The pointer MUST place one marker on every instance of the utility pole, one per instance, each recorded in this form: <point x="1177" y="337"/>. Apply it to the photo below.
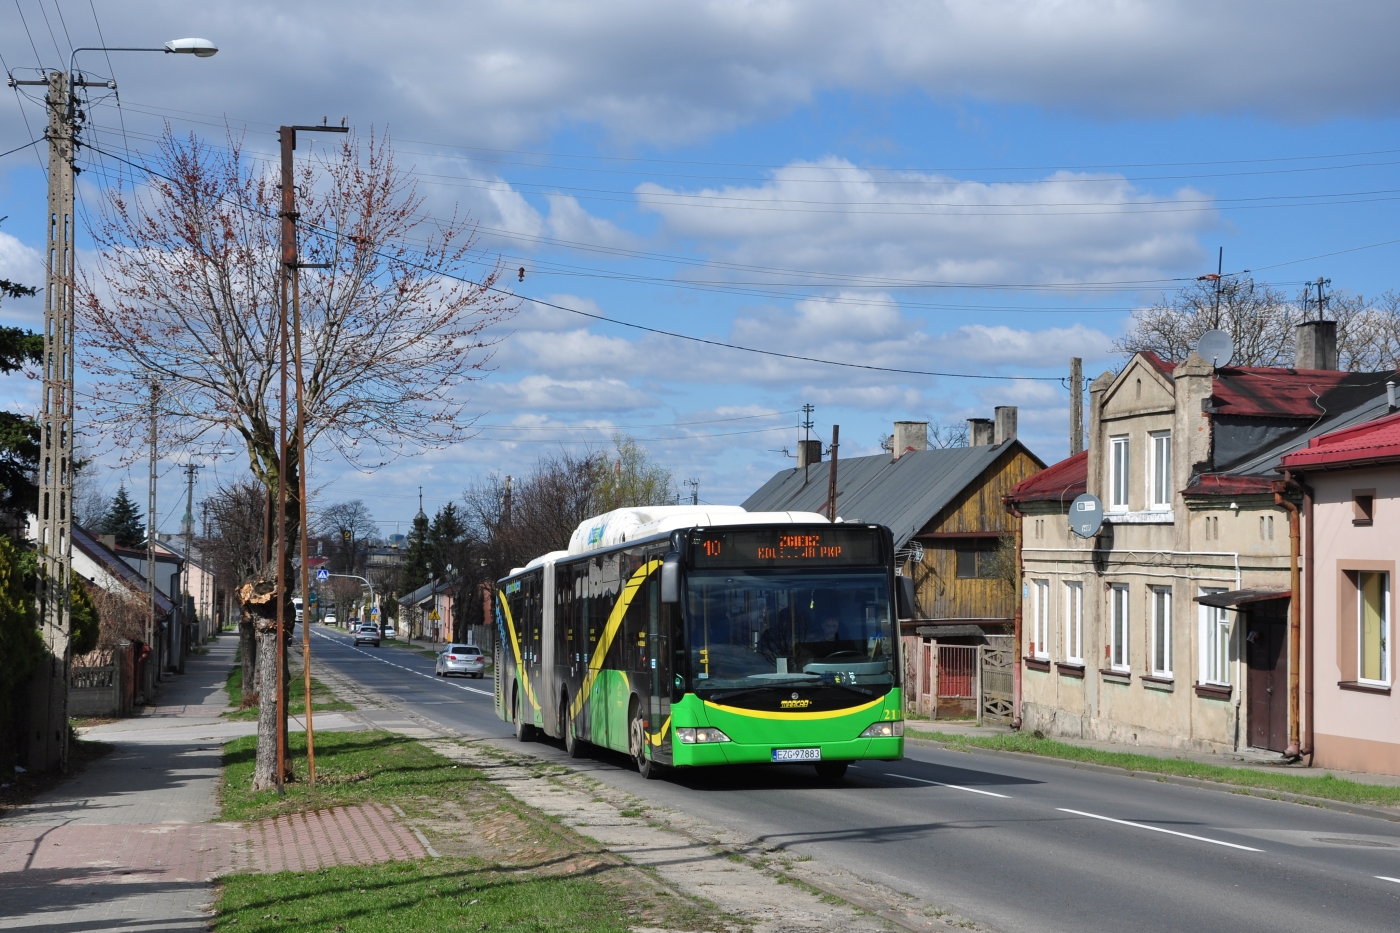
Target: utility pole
<point x="151" y="628"/>
<point x="505" y="506"/>
<point x="694" y="485"/>
<point x="831" y="483"/>
<point x="807" y="410"/>
<point x="186" y="601"/>
<point x="1076" y="405"/>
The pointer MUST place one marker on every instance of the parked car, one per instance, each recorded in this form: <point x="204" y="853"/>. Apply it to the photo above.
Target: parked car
<point x="461" y="659"/>
<point x="390" y="631"/>
<point x="367" y="634"/>
<point x="328" y="620"/>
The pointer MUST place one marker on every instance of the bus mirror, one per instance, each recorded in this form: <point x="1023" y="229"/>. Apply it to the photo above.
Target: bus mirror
<point x="671" y="578"/>
<point x="908" y="603"/>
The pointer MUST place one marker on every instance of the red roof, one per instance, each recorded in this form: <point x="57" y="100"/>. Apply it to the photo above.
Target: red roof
<point x="1362" y="443"/>
<point x="1271" y="392"/>
<point x="1062" y="482"/>
<point x="1162" y="366"/>
<point x="1229" y="484"/>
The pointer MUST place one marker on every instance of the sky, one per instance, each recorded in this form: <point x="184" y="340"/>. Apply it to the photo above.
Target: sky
<point x="977" y="189"/>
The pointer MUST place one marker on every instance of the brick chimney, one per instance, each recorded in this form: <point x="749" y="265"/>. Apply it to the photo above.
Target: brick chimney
<point x="1005" y="424"/>
<point x="979" y="432"/>
<point x="1315" y="345"/>
<point x="909" y="435"/>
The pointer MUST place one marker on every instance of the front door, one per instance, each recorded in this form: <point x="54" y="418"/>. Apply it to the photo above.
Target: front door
<point x="1266" y="654"/>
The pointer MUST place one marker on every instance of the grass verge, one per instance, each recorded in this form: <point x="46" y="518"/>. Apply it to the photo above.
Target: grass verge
<point x="322" y="698"/>
<point x="1326" y="787"/>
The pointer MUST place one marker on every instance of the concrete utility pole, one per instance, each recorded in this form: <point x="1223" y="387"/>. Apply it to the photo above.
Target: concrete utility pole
<point x="188" y="529"/>
<point x="831" y="483"/>
<point x="152" y="631"/>
<point x="1076" y="405"/>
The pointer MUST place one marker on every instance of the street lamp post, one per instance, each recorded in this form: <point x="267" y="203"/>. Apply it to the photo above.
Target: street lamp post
<point x="49" y="704"/>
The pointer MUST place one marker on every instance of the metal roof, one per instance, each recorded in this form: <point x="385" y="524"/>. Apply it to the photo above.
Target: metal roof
<point x="900" y="494"/>
<point x="1266" y="460"/>
<point x="1378" y="440"/>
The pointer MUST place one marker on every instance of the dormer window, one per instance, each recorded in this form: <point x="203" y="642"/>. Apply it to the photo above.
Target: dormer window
<point x="1118" y="473"/>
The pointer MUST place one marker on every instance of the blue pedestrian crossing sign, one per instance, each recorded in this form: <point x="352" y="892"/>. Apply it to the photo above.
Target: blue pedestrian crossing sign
<point x="323" y="574"/>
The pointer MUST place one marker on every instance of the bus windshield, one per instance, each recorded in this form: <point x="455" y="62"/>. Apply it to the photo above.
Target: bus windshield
<point x="760" y="629"/>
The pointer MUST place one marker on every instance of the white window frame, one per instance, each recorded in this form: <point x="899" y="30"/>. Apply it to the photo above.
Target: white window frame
<point x="1074" y="622"/>
<point x="1159" y="471"/>
<point x="1119" y="622"/>
<point x="1385" y="628"/>
<point x="1216" y="638"/>
<point x="1118" y="489"/>
<point x="1040" y="626"/>
<point x="1161" y="622"/>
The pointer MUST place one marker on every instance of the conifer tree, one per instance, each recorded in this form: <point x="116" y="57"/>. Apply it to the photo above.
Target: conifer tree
<point x="415" y="564"/>
<point x="123" y="520"/>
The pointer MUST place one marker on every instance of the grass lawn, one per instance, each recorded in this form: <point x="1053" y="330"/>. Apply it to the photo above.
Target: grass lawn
<point x="321" y="697"/>
<point x="1283" y="781"/>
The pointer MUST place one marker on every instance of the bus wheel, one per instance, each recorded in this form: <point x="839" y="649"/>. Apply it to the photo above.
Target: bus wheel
<point x="523" y="730"/>
<point x="637" y="734"/>
<point x="831" y="772"/>
<point x="573" y="745"/>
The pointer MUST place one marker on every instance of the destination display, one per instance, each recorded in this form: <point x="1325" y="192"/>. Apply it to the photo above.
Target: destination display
<point x="785" y="547"/>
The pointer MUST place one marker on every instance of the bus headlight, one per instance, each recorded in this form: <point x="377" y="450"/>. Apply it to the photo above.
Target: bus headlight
<point x="690" y="735"/>
<point x="884" y="730"/>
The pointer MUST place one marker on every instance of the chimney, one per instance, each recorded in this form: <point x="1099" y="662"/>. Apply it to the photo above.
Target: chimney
<point x="808" y="453"/>
<point x="1315" y="345"/>
<point x="979" y="432"/>
<point x="909" y="435"/>
<point x="1005" y="424"/>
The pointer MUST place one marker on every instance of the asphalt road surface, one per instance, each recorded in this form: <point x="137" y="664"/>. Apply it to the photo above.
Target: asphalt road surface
<point x="1018" y="845"/>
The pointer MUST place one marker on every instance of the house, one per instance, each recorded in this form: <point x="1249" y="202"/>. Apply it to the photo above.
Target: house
<point x="199" y="581"/>
<point x="945" y="510"/>
<point x="427" y="611"/>
<point x="1169" y="627"/>
<point x="1350" y="479"/>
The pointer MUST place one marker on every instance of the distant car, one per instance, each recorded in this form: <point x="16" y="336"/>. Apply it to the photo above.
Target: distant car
<point x="390" y="631"/>
<point x="461" y="659"/>
<point x="328" y="620"/>
<point x="367" y="634"/>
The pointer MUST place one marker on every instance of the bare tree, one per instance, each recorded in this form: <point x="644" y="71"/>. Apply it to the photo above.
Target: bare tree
<point x="237" y="526"/>
<point x="347" y="525"/>
<point x="189" y="297"/>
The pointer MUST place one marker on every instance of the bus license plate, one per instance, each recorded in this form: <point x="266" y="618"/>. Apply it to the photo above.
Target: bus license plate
<point x="797" y="754"/>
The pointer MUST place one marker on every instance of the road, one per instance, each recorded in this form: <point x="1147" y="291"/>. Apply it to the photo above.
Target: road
<point x="1019" y="845"/>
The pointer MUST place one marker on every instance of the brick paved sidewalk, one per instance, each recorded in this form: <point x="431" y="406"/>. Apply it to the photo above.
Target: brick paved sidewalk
<point x="130" y="844"/>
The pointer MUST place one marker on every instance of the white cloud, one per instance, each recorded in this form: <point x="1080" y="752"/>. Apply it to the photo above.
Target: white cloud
<point x="902" y="228"/>
<point x="543" y="393"/>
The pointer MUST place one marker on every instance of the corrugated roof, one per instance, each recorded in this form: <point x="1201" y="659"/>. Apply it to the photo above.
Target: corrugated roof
<point x="1374" y="440"/>
<point x="1274" y="392"/>
<point x="901" y="494"/>
<point x="1064" y="482"/>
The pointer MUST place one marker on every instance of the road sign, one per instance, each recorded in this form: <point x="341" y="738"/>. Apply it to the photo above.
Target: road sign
<point x="1086" y="515"/>
<point x="434" y="617"/>
<point x="323" y="574"/>
<point x="313" y="599"/>
<point x="374" y="613"/>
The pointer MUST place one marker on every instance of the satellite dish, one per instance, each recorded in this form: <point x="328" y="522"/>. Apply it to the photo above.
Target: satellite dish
<point x="1216" y="348"/>
<point x="1086" y="515"/>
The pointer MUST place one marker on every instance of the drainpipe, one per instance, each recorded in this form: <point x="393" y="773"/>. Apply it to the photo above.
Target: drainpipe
<point x="1294" y="620"/>
<point x="1016" y="623"/>
<point x="1308" y="577"/>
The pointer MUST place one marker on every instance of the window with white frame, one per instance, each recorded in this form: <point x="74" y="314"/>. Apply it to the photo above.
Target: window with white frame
<point x="1159" y="473"/>
<point x="1373" y="627"/>
<point x="1040" y="629"/>
<point x="1162" y="631"/>
<point x="1215" y="641"/>
<point x="1118" y="631"/>
<point x="1118" y="473"/>
<point x="1074" y="622"/>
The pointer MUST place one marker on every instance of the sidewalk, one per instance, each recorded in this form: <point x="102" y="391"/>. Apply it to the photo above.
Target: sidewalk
<point x="130" y="844"/>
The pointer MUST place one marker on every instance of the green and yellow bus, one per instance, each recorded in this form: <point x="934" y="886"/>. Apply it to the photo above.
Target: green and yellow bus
<point x="686" y="638"/>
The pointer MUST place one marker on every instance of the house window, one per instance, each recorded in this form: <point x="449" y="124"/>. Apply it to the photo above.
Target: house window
<point x="1118" y="633"/>
<point x="1040" y="632"/>
<point x="1074" y="622"/>
<point x="1215" y="642"/>
<point x="1162" y="631"/>
<point x="1118" y="473"/>
<point x="1373" y="625"/>
<point x="976" y="562"/>
<point x="1159" y="492"/>
<point x="1363" y="506"/>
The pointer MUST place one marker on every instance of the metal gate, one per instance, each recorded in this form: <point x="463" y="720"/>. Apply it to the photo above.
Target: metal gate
<point x="994" y="703"/>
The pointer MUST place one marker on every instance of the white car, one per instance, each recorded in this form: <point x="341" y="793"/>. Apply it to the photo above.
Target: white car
<point x="328" y="620"/>
<point x="461" y="659"/>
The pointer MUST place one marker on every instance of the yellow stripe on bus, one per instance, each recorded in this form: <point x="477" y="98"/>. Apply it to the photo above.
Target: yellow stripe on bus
<point x="515" y="647"/>
<point x="600" y="654"/>
<point x="766" y="714"/>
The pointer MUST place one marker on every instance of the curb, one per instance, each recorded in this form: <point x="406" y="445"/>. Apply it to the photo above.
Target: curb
<point x="1355" y="809"/>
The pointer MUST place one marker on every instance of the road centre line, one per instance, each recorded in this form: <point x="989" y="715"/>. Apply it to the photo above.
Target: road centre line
<point x="1158" y="829"/>
<point x="970" y="790"/>
<point x="433" y="677"/>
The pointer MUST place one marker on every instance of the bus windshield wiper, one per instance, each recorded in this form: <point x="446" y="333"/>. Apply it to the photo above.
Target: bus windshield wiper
<point x="730" y="694"/>
<point x="851" y="687"/>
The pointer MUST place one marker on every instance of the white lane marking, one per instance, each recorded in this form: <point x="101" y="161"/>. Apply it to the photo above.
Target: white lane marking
<point x="1158" y="829"/>
<point x="1384" y="878"/>
<point x="433" y="677"/>
<point x="970" y="790"/>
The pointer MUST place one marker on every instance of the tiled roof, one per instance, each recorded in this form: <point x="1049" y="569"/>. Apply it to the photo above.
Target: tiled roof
<point x="1063" y="482"/>
<point x="1362" y="443"/>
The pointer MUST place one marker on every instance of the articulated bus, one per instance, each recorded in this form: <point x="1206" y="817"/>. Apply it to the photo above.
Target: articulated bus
<point x="687" y="637"/>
